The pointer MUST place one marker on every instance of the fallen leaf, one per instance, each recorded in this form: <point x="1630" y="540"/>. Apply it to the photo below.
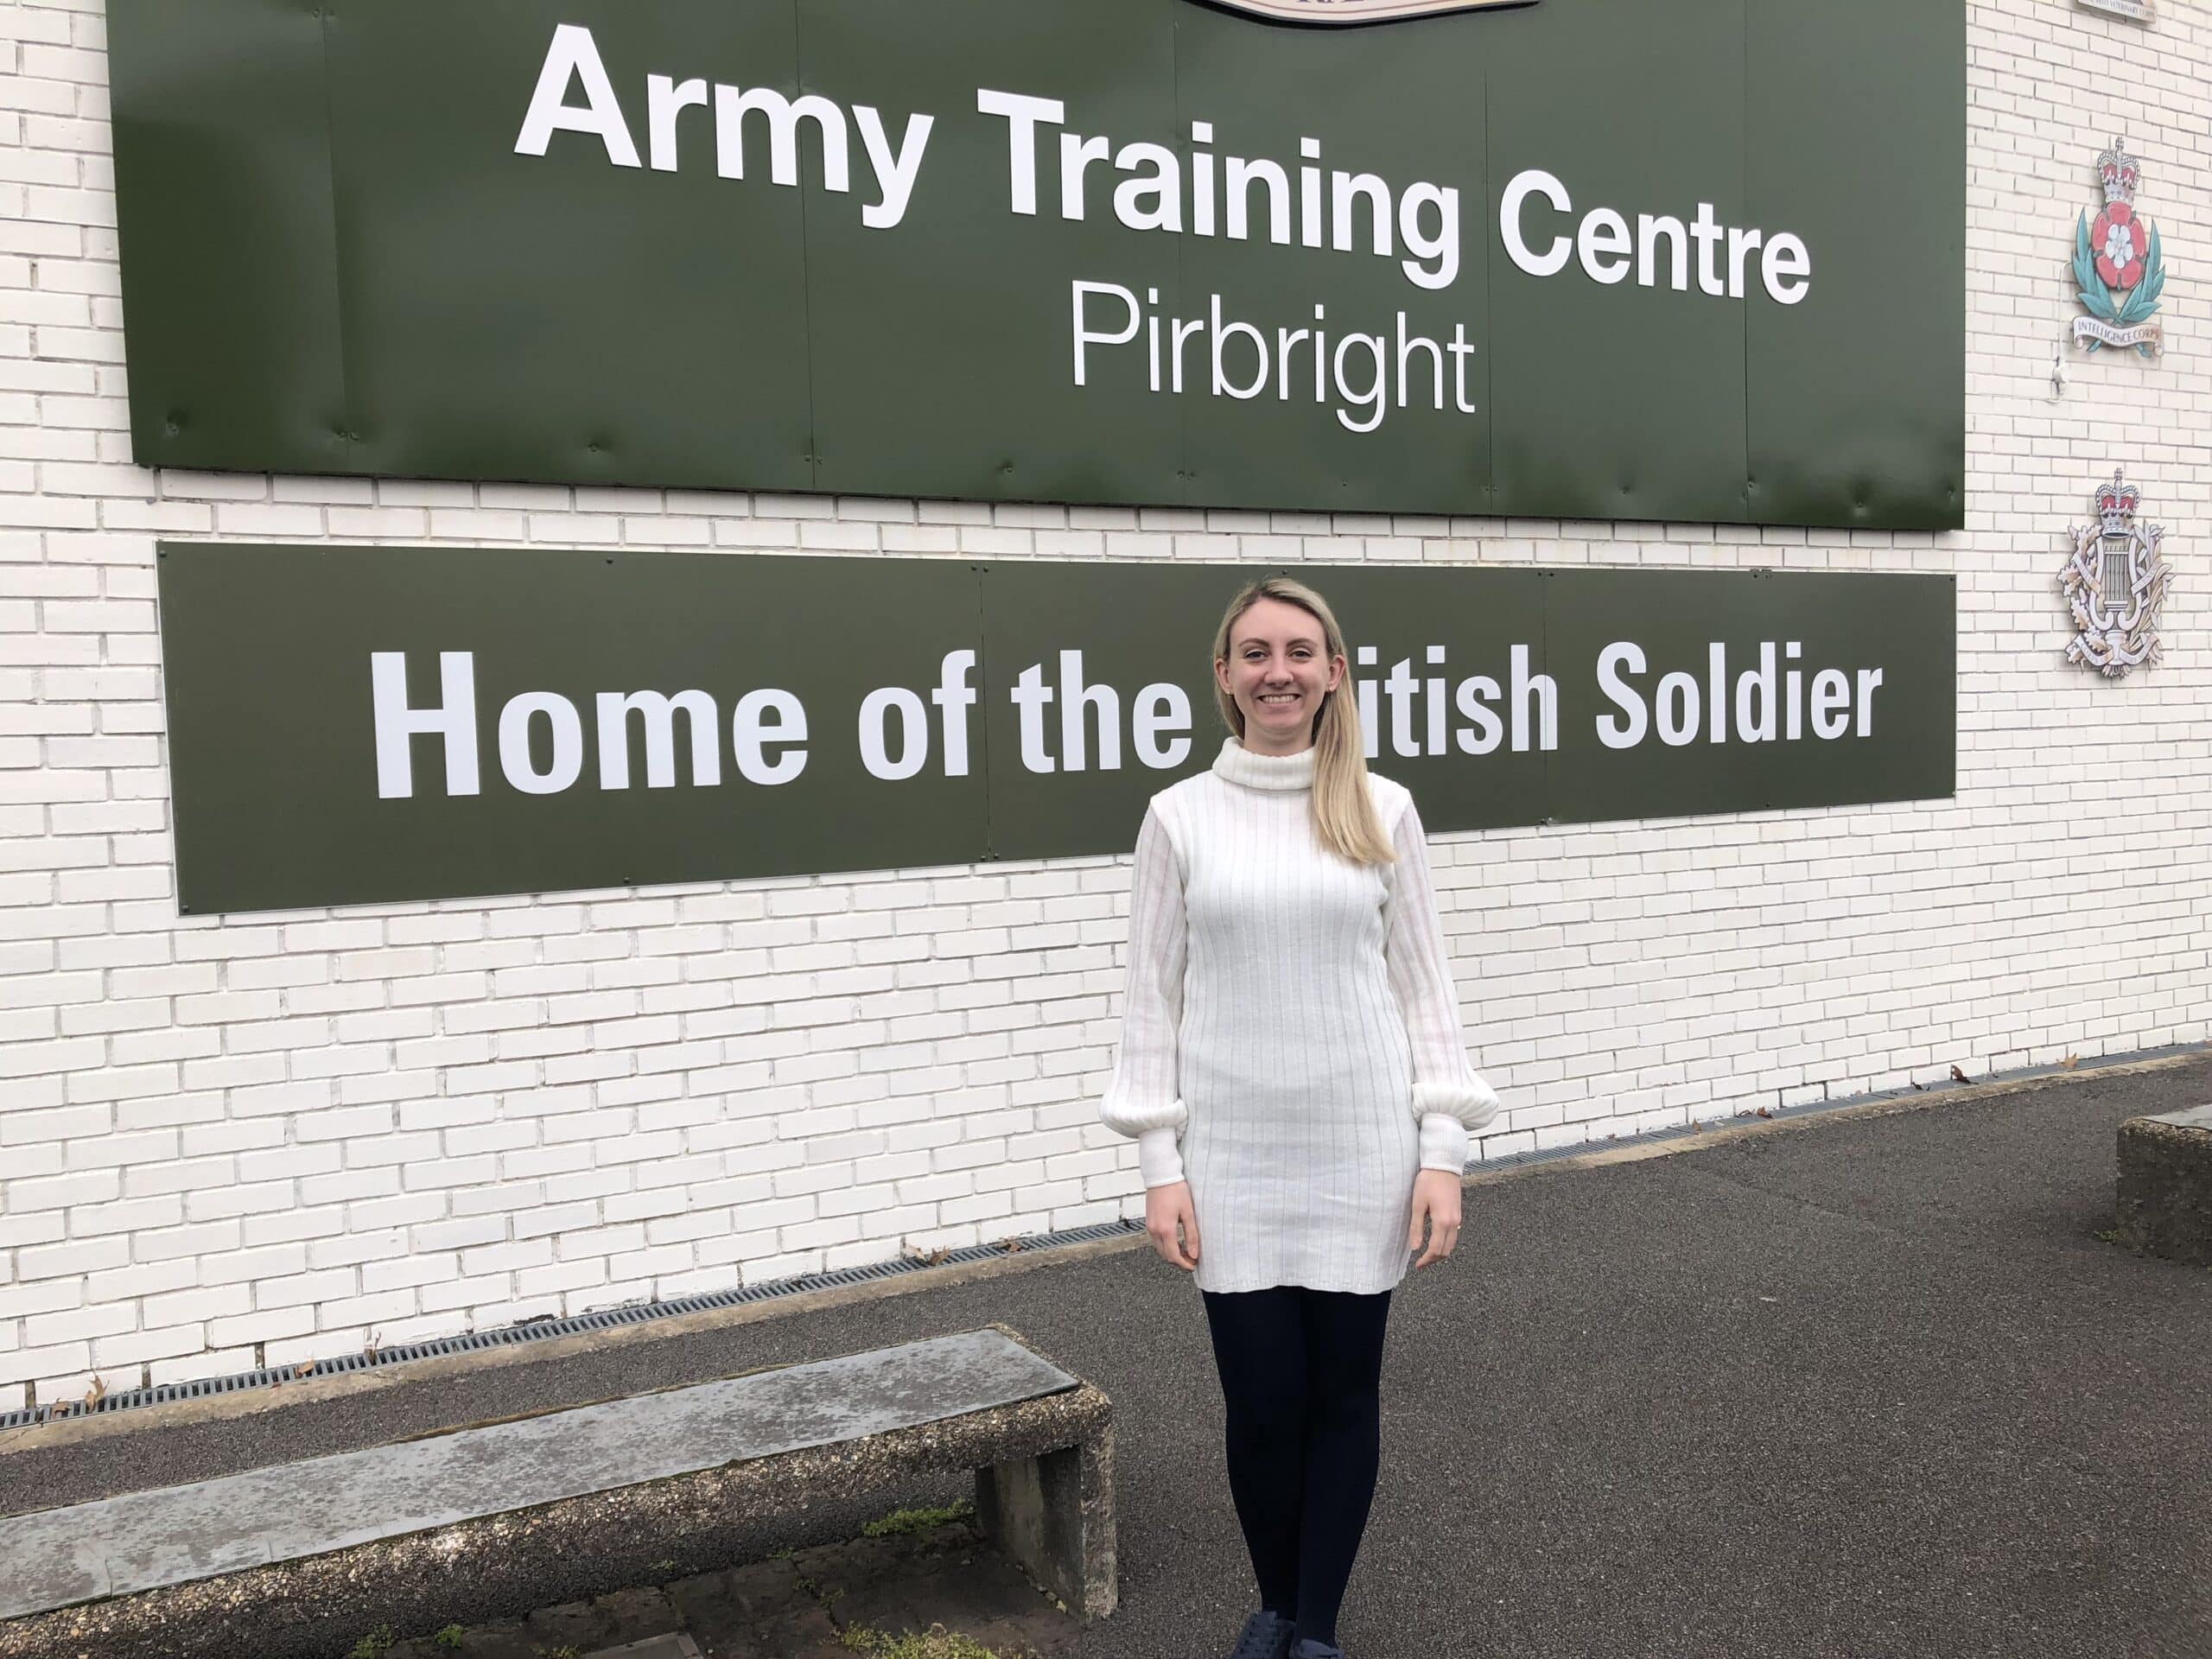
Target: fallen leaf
<point x="2069" y="1062"/>
<point x="1762" y="1112"/>
<point x="1958" y="1076"/>
<point x="1009" y="1245"/>
<point x="306" y="1367"/>
<point x="95" y="1394"/>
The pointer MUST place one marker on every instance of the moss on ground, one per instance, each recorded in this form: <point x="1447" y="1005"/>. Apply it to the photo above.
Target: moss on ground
<point x="901" y="1520"/>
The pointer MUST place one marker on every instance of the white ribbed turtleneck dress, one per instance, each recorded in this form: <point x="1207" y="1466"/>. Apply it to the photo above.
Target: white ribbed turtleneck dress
<point x="1290" y="1038"/>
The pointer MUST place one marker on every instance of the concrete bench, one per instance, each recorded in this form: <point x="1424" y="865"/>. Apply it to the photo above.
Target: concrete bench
<point x="2165" y="1184"/>
<point x="294" y="1562"/>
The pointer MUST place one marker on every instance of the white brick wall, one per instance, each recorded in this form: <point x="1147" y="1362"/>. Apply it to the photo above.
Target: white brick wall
<point x="269" y="1138"/>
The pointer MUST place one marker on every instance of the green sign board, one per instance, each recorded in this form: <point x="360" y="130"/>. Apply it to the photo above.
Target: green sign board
<point x="1700" y="260"/>
<point x="349" y="725"/>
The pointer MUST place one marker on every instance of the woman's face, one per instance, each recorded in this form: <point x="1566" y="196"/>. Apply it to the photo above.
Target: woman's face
<point x="1277" y="668"/>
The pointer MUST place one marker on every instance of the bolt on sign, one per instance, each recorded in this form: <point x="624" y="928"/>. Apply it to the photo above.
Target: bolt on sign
<point x="1700" y="261"/>
<point x="351" y="724"/>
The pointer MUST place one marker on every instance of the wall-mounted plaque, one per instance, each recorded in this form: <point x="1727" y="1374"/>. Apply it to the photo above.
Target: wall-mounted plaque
<point x="1600" y="260"/>
<point x="2114" y="582"/>
<point x="2118" y="268"/>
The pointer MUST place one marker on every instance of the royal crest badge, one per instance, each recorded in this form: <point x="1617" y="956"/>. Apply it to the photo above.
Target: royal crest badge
<point x="1357" y="12"/>
<point x="2118" y="267"/>
<point x="2113" y="584"/>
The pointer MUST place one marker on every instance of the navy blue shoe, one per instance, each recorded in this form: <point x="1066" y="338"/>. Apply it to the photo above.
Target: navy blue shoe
<point x="1308" y="1648"/>
<point x="1267" y="1635"/>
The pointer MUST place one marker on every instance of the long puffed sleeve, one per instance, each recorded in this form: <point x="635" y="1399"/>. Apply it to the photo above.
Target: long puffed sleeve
<point x="1449" y="1098"/>
<point x="1145" y="1097"/>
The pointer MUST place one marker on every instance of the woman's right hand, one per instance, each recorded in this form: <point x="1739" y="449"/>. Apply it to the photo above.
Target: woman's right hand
<point x="1173" y="1224"/>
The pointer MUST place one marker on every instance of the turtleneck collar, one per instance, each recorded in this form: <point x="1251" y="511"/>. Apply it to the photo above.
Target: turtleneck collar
<point x="1240" y="765"/>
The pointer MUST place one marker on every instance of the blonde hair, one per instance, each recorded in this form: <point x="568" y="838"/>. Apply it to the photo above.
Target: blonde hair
<point x="1343" y="809"/>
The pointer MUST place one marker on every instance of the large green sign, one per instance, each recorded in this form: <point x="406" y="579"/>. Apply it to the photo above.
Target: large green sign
<point x="349" y="725"/>
<point x="1696" y="259"/>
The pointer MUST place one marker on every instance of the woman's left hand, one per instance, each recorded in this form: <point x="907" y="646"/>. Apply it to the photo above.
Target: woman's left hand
<point x="1436" y="1202"/>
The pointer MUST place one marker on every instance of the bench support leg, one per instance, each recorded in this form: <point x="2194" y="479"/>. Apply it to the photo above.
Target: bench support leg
<point x="1054" y="1515"/>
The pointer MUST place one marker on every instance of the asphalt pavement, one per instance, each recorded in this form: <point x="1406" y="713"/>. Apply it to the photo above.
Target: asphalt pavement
<point x="1866" y="1383"/>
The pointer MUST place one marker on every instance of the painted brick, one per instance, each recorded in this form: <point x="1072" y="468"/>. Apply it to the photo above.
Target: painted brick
<point x="296" y="1131"/>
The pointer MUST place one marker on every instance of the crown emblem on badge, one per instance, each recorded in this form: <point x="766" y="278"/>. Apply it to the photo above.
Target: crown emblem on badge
<point x="2119" y="271"/>
<point x="2116" y="505"/>
<point x="2114" y="582"/>
<point x="2120" y="171"/>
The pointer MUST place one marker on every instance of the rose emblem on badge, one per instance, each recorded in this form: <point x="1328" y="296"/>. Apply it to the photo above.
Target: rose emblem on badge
<point x="2120" y="244"/>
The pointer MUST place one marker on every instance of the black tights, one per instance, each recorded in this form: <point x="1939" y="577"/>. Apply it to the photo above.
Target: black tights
<point x="1300" y="1375"/>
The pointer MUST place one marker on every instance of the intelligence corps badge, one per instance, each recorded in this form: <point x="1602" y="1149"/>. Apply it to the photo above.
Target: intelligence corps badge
<point x="2114" y="584"/>
<point x="2117" y="265"/>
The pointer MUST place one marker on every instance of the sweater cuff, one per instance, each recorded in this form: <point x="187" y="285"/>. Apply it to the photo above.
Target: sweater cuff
<point x="1159" y="1158"/>
<point x="1443" y="1142"/>
<point x="1474" y="1102"/>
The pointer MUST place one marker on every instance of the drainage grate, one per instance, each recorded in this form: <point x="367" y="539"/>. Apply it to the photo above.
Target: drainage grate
<point x="539" y="1330"/>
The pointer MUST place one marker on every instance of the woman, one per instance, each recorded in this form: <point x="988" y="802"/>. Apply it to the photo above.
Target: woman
<point x="1292" y="1069"/>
